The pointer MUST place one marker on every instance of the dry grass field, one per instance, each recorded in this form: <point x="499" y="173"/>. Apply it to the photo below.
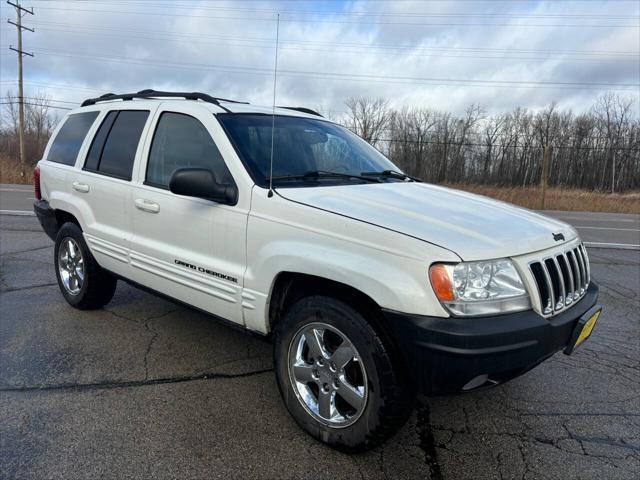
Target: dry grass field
<point x="10" y="172"/>
<point x="560" y="198"/>
<point x="529" y="197"/>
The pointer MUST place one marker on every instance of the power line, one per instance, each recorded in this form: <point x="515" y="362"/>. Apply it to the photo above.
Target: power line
<point x="365" y="13"/>
<point x="494" y="145"/>
<point x="190" y="2"/>
<point x="52" y="100"/>
<point x="358" y="22"/>
<point x="56" y="85"/>
<point x="268" y="41"/>
<point x="394" y="52"/>
<point x="37" y="105"/>
<point x="358" y="77"/>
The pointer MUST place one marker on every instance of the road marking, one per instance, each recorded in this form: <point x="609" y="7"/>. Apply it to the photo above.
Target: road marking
<point x="22" y="213"/>
<point x="621" y="246"/>
<point x="16" y="190"/>
<point x="597" y="219"/>
<point x="608" y="228"/>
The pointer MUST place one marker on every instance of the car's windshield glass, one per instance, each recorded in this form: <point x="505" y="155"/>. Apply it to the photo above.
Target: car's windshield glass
<point x="301" y="145"/>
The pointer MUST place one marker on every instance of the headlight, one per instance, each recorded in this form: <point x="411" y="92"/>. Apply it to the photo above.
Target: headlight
<point x="479" y="288"/>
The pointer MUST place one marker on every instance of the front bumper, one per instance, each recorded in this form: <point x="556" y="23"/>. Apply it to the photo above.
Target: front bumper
<point x="447" y="355"/>
<point x="47" y="218"/>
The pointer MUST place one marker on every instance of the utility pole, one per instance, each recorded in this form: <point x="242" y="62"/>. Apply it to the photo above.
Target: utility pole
<point x="546" y="159"/>
<point x="613" y="172"/>
<point x="20" y="11"/>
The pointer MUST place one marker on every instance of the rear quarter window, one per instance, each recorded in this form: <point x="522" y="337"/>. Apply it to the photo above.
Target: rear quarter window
<point x="66" y="145"/>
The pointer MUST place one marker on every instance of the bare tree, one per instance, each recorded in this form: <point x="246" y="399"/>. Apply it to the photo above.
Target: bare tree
<point x="39" y="123"/>
<point x="612" y="113"/>
<point x="506" y="149"/>
<point x="367" y="117"/>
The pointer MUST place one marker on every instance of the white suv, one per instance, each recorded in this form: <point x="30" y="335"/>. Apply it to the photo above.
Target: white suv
<point x="373" y="285"/>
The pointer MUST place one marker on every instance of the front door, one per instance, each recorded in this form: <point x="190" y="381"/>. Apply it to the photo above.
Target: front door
<point x="188" y="248"/>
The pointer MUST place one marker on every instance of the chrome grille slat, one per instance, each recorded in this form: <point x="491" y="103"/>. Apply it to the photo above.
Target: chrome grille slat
<point x="570" y="285"/>
<point x="575" y="273"/>
<point x="563" y="290"/>
<point x="552" y="295"/>
<point x="586" y="262"/>
<point x="561" y="279"/>
<point x="583" y="269"/>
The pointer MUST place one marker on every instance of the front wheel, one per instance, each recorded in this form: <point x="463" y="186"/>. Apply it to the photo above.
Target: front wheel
<point x="338" y="377"/>
<point x="83" y="283"/>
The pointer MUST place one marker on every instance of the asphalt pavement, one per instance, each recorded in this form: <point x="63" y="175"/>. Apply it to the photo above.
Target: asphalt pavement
<point x="606" y="230"/>
<point x="146" y="388"/>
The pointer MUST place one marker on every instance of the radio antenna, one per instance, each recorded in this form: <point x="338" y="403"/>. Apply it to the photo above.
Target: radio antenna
<point x="273" y="109"/>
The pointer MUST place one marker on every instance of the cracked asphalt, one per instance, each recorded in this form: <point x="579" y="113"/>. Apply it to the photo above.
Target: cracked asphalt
<point x="146" y="388"/>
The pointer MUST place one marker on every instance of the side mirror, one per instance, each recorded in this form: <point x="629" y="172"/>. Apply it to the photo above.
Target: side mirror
<point x="202" y="183"/>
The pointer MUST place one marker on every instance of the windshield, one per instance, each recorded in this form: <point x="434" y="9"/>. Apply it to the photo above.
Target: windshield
<point x="301" y="145"/>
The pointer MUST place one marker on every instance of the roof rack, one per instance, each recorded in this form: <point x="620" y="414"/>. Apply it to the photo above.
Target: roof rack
<point x="154" y="94"/>
<point x="303" y="110"/>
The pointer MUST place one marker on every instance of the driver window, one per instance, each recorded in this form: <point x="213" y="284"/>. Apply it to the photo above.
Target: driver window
<point x="182" y="141"/>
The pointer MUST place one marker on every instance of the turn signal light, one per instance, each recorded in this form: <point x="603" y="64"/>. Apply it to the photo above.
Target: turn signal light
<point x="441" y="283"/>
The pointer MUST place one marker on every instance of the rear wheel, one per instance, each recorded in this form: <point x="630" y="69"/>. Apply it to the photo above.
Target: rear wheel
<point x="338" y="376"/>
<point x="83" y="283"/>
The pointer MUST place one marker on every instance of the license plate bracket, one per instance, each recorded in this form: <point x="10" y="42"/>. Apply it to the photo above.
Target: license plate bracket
<point x="584" y="327"/>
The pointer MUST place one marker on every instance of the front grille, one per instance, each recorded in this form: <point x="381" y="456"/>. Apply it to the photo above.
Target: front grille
<point x="562" y="279"/>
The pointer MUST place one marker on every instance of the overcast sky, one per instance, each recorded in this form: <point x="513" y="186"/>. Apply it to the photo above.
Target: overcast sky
<point x="437" y="54"/>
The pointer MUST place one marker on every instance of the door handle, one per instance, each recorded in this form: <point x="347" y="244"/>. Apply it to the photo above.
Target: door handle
<point x="81" y="187"/>
<point x="147" y="205"/>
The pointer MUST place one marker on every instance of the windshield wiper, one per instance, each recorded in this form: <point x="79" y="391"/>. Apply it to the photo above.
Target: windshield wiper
<point x="315" y="174"/>
<point x="391" y="174"/>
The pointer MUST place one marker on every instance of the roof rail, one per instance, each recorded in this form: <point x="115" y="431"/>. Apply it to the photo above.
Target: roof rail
<point x="154" y="94"/>
<point x="303" y="110"/>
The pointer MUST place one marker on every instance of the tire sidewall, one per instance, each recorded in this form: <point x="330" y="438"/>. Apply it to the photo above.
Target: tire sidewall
<point x="71" y="230"/>
<point x="372" y="353"/>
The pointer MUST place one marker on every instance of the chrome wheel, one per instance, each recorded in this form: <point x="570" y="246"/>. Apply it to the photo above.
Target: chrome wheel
<point x="327" y="375"/>
<point x="71" y="265"/>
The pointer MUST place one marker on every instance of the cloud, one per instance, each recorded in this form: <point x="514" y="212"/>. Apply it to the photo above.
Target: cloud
<point x="413" y="53"/>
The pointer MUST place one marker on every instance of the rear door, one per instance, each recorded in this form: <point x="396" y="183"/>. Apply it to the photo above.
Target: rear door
<point x="188" y="248"/>
<point x="61" y="155"/>
<point x="104" y="184"/>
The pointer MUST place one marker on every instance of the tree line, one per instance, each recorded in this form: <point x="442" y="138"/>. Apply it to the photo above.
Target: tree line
<point x="39" y="122"/>
<point x="596" y="150"/>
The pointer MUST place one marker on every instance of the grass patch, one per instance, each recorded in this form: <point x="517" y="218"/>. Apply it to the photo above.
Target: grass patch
<point x="560" y="198"/>
<point x="10" y="172"/>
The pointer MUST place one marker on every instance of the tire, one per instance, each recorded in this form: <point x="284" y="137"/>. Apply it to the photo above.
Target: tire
<point x="83" y="283"/>
<point x="385" y="403"/>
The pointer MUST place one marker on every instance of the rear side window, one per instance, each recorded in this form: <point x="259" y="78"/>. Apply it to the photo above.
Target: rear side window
<point x="183" y="141"/>
<point x="66" y="145"/>
<point x="113" y="150"/>
<point x="95" y="151"/>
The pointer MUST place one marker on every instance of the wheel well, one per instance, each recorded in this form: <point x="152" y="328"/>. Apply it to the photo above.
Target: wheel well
<point x="63" y="217"/>
<point x="290" y="287"/>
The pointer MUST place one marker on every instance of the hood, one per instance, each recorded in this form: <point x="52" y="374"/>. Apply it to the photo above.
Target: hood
<point x="472" y="226"/>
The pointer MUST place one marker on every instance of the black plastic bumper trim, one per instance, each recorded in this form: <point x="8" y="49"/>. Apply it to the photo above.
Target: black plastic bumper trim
<point x="47" y="218"/>
<point x="479" y="351"/>
<point x="444" y="354"/>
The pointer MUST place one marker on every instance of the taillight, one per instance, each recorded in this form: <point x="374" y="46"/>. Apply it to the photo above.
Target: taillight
<point x="36" y="183"/>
